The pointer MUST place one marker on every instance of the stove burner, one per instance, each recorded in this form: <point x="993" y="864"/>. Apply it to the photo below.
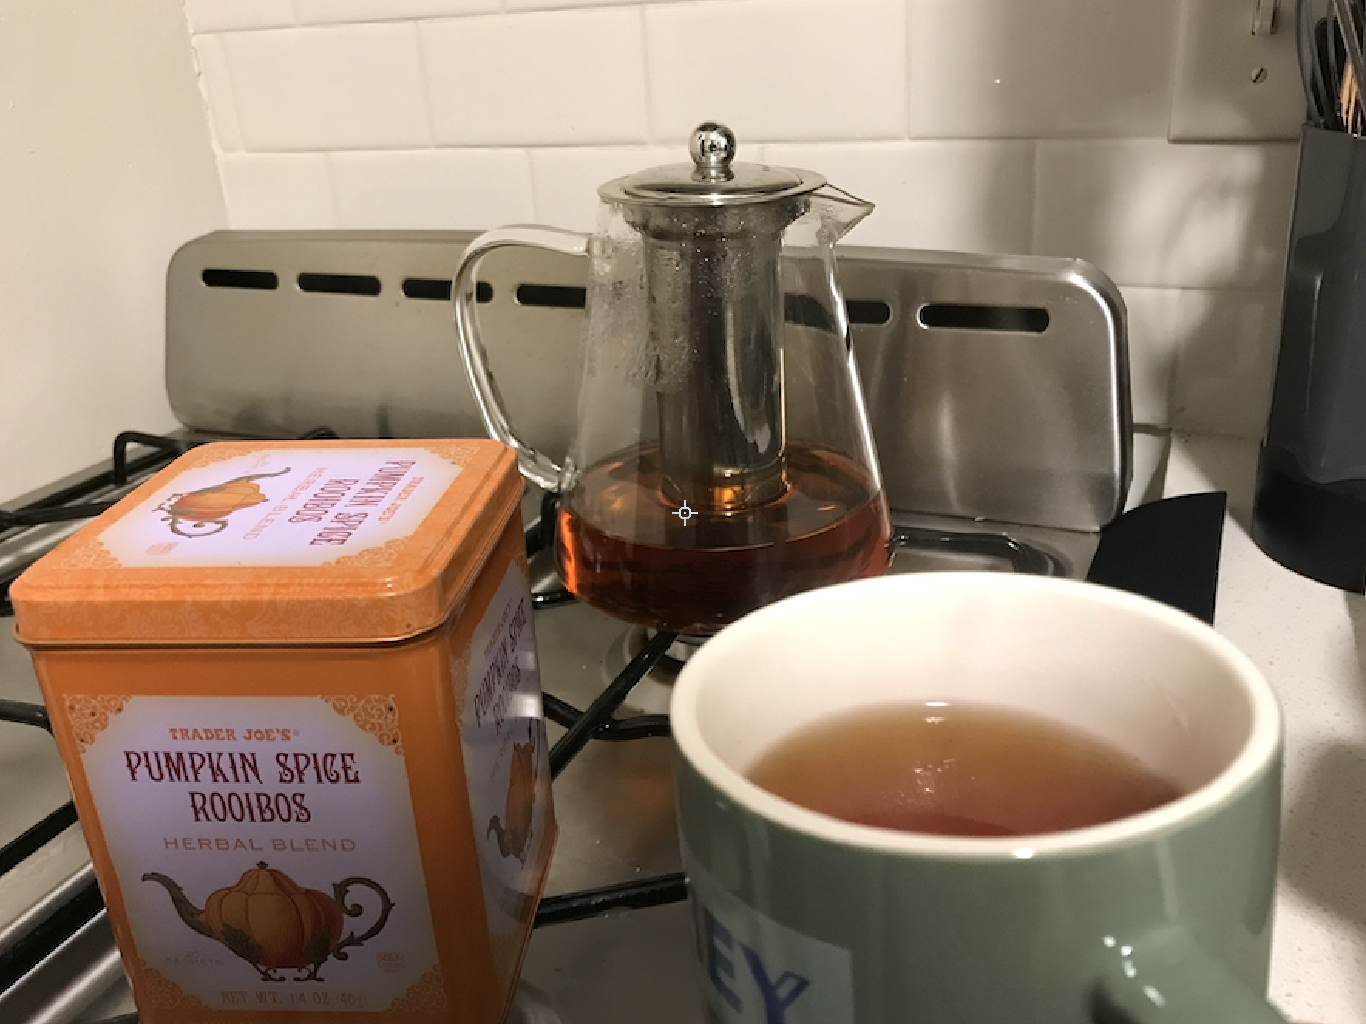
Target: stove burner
<point x="670" y="663"/>
<point x="683" y="648"/>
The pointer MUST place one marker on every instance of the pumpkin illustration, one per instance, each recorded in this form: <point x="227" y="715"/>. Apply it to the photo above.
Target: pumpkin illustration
<point x="209" y="507"/>
<point x="272" y="922"/>
<point x="289" y="926"/>
<point x="514" y="829"/>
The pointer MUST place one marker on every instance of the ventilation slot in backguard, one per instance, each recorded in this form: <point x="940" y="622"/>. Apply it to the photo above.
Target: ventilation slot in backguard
<point x="963" y="317"/>
<point x="438" y="289"/>
<point x="552" y="296"/>
<point x="253" y="280"/>
<point x="868" y="311"/>
<point x="340" y="284"/>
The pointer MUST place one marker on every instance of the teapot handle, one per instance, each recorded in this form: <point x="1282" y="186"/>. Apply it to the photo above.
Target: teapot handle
<point x="534" y="466"/>
<point x="386" y="907"/>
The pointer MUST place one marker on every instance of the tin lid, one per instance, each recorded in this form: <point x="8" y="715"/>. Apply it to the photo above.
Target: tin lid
<point x="247" y="542"/>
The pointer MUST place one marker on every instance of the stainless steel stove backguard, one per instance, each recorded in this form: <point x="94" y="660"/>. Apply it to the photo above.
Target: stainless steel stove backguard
<point x="997" y="386"/>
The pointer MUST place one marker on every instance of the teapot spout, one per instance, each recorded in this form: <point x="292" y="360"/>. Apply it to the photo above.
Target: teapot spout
<point x="839" y="211"/>
<point x="189" y="913"/>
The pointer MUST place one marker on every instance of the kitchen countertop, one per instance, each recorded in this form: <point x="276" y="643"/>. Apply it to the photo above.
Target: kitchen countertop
<point x="1310" y="641"/>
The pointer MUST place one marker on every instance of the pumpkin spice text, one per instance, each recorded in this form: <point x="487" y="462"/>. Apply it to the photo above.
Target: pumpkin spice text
<point x="234" y="767"/>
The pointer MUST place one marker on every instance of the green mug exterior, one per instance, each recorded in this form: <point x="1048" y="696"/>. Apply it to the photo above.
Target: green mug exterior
<point x="1020" y="941"/>
<point x="1163" y="918"/>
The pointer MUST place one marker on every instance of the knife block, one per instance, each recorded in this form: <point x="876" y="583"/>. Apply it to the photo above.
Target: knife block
<point x="1309" y="512"/>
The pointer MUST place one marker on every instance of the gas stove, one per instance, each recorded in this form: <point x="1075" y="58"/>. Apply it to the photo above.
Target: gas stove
<point x="612" y="940"/>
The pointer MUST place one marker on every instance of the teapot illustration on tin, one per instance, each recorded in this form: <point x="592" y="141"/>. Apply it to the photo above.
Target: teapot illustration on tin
<point x="513" y="830"/>
<point x="272" y="922"/>
<point x="209" y="507"/>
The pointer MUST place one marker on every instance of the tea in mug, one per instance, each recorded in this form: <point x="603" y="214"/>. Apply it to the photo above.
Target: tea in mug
<point x="958" y="769"/>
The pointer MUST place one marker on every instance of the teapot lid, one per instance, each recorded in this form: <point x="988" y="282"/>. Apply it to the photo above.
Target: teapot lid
<point x="712" y="179"/>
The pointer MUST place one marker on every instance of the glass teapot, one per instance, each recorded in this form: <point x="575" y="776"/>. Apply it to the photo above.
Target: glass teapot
<point x="722" y="458"/>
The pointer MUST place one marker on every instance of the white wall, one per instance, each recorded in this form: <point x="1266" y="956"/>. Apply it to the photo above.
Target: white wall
<point x="105" y="167"/>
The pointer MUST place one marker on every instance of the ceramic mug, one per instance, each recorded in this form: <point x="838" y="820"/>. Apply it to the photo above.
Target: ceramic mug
<point x="1164" y="916"/>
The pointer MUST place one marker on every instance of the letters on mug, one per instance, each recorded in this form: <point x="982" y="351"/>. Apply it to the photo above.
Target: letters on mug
<point x="718" y="955"/>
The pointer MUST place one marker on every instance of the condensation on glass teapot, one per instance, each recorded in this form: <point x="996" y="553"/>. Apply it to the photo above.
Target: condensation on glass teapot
<point x="722" y="458"/>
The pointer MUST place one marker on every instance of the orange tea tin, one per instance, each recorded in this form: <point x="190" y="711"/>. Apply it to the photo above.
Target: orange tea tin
<point x="294" y="685"/>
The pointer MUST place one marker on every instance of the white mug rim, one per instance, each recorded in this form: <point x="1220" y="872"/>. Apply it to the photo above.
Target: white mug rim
<point x="1259" y="750"/>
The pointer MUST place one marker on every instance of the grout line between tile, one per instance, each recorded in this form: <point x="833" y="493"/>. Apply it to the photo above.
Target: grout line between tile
<point x="504" y="8"/>
<point x="426" y="85"/>
<point x="1034" y="179"/>
<point x="606" y="5"/>
<point x="223" y="188"/>
<point x="907" y="6"/>
<point x="332" y="188"/>
<point x="650" y="133"/>
<point x="1176" y="344"/>
<point x="232" y="100"/>
<point x="204" y="107"/>
<point x="536" y="214"/>
<point x="1032" y="191"/>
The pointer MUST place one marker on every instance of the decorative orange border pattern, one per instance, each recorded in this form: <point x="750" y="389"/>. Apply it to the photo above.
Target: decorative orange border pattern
<point x="90" y="715"/>
<point x="376" y="713"/>
<point x="428" y="994"/>
<point x="165" y="993"/>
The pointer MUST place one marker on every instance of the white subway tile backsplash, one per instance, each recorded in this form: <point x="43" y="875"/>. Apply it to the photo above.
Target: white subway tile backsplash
<point x="560" y="77"/>
<point x="566" y="179"/>
<point x="1226" y="362"/>
<point x="1155" y="335"/>
<point x="1041" y="69"/>
<point x="973" y="125"/>
<point x="1150" y="213"/>
<point x="216" y="87"/>
<point x="334" y="11"/>
<point x="433" y="189"/>
<point x="277" y="191"/>
<point x="340" y="87"/>
<point x="780" y="70"/>
<point x="957" y="196"/>
<point x="231" y="15"/>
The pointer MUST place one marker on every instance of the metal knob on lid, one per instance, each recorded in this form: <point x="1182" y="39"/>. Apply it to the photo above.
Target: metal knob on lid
<point x="712" y="147"/>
